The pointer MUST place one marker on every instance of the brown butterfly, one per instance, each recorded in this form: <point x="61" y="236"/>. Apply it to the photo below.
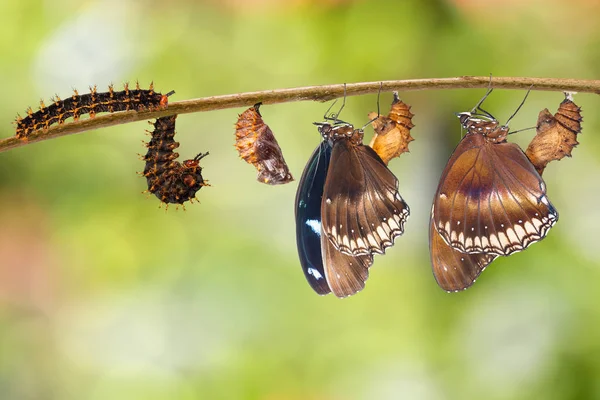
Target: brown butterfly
<point x="362" y="211"/>
<point x="490" y="202"/>
<point x="452" y="269"/>
<point x="347" y="208"/>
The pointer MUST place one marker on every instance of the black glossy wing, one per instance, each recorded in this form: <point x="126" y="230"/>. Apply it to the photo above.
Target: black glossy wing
<point x="308" y="218"/>
<point x="491" y="199"/>
<point x="453" y="270"/>
<point x="362" y="210"/>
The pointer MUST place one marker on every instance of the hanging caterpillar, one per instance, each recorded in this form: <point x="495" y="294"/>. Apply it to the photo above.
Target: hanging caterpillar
<point x="91" y="103"/>
<point x="167" y="178"/>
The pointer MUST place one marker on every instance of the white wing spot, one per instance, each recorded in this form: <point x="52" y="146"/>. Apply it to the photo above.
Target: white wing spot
<point x="512" y="236"/>
<point x="529" y="228"/>
<point x="328" y="201"/>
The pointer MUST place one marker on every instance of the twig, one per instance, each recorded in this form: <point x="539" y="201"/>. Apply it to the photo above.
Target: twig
<point x="314" y="93"/>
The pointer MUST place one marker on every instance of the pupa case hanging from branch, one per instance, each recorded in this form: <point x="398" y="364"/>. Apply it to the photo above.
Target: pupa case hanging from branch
<point x="392" y="132"/>
<point x="556" y="134"/>
<point x="257" y="145"/>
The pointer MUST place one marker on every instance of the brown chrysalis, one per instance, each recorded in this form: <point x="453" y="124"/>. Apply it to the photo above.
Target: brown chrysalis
<point x="170" y="180"/>
<point x="91" y="103"/>
<point x="257" y="145"/>
<point x="392" y="132"/>
<point x="556" y="135"/>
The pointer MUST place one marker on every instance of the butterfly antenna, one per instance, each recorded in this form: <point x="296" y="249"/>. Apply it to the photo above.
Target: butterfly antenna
<point x="487" y="114"/>
<point x="379" y="97"/>
<point x="325" y="117"/>
<point x="485" y="96"/>
<point x="336" y="116"/>
<point x="378" y="108"/>
<point x="520" y="105"/>
<point x="521" y="130"/>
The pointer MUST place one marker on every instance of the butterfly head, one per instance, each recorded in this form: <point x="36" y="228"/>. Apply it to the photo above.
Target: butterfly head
<point x="487" y="126"/>
<point x="337" y="130"/>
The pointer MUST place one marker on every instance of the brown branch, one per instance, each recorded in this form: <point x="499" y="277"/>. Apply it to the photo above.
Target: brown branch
<point x="314" y="93"/>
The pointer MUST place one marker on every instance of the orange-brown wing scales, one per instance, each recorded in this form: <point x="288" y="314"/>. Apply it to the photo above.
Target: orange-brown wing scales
<point x="362" y="210"/>
<point x="491" y="199"/>
<point x="452" y="269"/>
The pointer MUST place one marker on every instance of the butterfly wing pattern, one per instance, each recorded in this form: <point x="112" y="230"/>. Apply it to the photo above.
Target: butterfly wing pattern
<point x="360" y="211"/>
<point x="452" y="269"/>
<point x="491" y="199"/>
<point x="490" y="202"/>
<point x="346" y="275"/>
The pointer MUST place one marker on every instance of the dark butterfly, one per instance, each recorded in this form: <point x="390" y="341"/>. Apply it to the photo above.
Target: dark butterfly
<point x="347" y="208"/>
<point x="490" y="202"/>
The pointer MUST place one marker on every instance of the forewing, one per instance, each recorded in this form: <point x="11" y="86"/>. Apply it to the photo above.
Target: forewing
<point x="491" y="199"/>
<point x="362" y="210"/>
<point x="308" y="218"/>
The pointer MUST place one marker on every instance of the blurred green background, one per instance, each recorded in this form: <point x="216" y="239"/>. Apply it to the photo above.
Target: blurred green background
<point x="105" y="296"/>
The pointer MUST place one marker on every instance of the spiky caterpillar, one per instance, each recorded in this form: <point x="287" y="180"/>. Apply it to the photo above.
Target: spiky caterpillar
<point x="91" y="103"/>
<point x="167" y="178"/>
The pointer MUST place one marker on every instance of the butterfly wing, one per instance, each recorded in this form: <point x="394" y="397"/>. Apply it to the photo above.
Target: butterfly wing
<point x="453" y="270"/>
<point x="308" y="218"/>
<point x="345" y="274"/>
<point x="491" y="199"/>
<point x="362" y="210"/>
